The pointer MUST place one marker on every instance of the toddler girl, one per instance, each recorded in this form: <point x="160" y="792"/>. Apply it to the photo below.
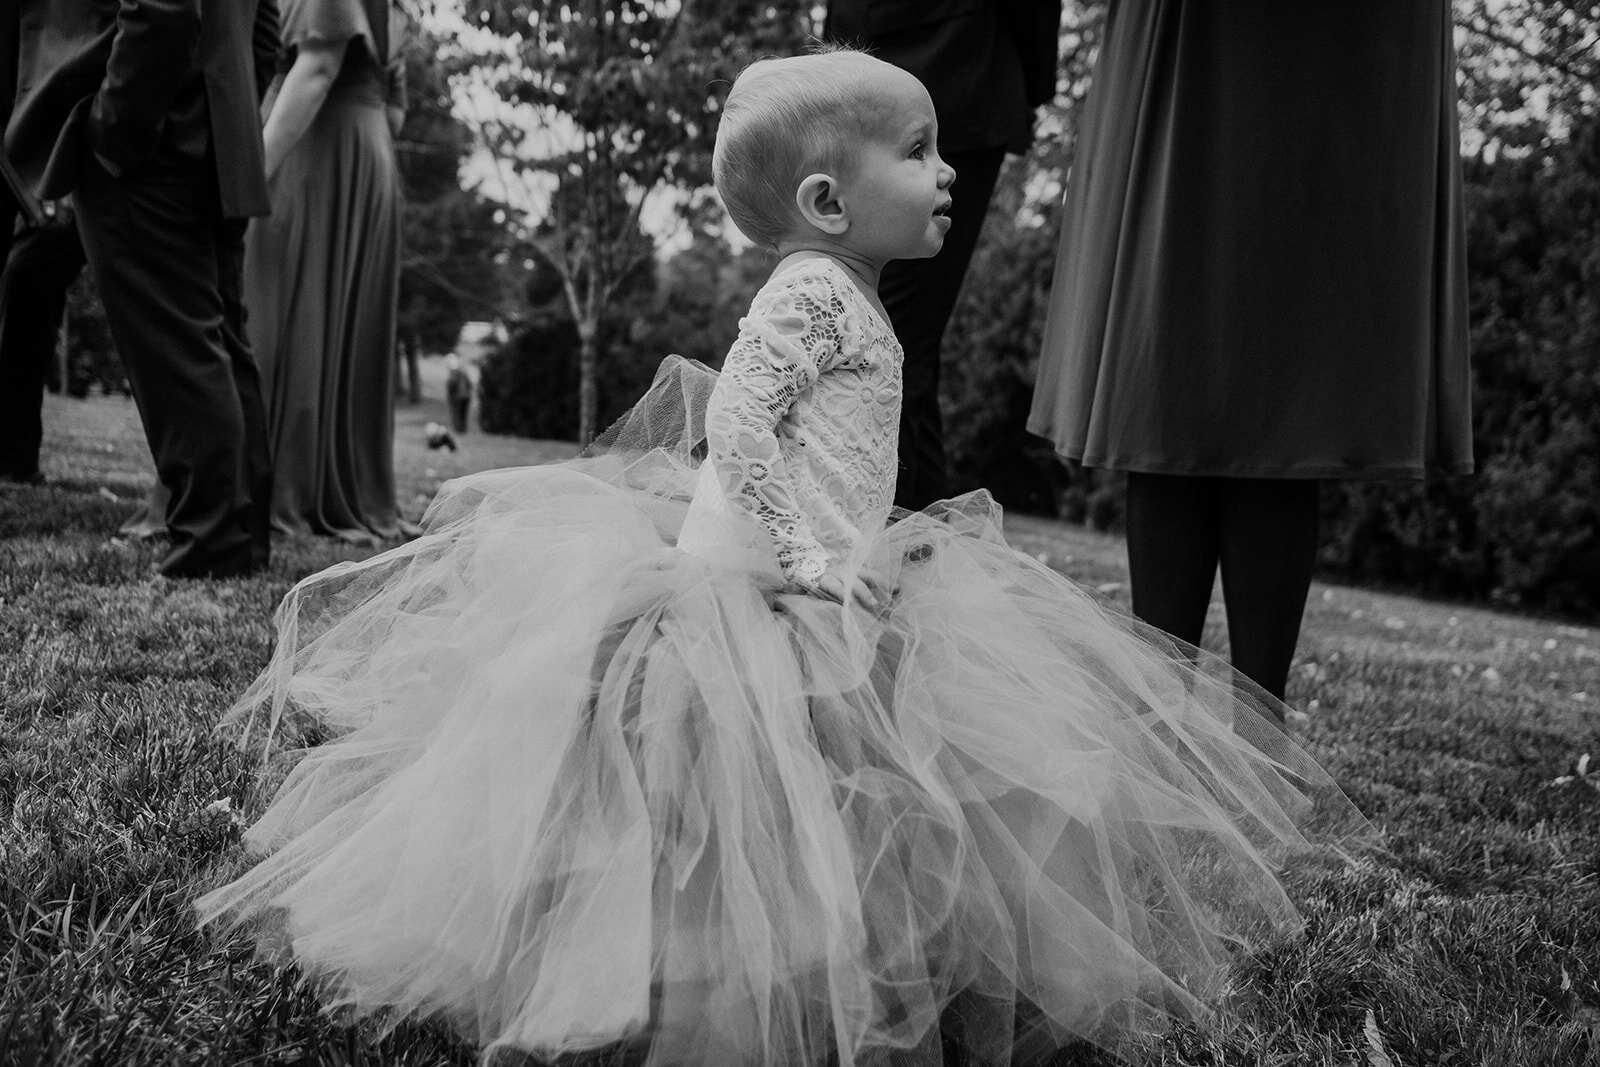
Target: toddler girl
<point x="706" y="758"/>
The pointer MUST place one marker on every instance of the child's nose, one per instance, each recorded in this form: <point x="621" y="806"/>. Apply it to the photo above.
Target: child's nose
<point x="947" y="175"/>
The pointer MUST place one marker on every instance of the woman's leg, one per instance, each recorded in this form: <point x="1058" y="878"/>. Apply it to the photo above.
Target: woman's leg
<point x="1173" y="547"/>
<point x="1269" y="549"/>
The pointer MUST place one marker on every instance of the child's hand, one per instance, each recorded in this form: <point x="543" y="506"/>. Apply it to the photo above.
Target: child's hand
<point x="864" y="587"/>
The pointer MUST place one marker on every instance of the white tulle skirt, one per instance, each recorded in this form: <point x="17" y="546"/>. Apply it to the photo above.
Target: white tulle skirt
<point x="578" y="787"/>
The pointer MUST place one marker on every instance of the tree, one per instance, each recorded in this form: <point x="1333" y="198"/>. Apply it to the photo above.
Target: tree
<point x="453" y="236"/>
<point x="600" y="116"/>
<point x="1528" y="67"/>
<point x="689" y="305"/>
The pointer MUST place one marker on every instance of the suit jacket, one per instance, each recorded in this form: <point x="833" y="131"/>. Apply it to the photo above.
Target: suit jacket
<point x="8" y="92"/>
<point x="986" y="63"/>
<point x="135" y="82"/>
<point x="8" y="60"/>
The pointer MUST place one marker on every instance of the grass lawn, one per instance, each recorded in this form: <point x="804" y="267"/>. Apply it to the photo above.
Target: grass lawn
<point x="1471" y="937"/>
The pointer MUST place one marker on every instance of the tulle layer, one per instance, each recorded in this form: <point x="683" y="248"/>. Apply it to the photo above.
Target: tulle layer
<point x="582" y="786"/>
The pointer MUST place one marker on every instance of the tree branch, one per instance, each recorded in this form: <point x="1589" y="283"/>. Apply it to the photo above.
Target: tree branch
<point x="436" y="276"/>
<point x="635" y="261"/>
<point x="1480" y="26"/>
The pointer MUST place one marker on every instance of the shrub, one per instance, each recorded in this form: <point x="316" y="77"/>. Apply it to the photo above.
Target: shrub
<point x="690" y="307"/>
<point x="92" y="360"/>
<point x="1525" y="529"/>
<point x="529" y="385"/>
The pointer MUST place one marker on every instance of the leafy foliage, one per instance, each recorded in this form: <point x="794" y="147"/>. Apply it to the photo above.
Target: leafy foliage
<point x="690" y="305"/>
<point x="1526" y="529"/>
<point x="452" y="236"/>
<point x="1527" y="65"/>
<point x="92" y="361"/>
<point x="614" y="101"/>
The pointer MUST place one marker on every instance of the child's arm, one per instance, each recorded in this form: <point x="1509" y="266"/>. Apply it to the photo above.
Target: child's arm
<point x="786" y="341"/>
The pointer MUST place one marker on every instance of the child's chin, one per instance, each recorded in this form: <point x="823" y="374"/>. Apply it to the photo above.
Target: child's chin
<point x="926" y="250"/>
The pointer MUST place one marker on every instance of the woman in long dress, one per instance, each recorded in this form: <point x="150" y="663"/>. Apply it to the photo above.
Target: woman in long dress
<point x="322" y="272"/>
<point x="1261" y="284"/>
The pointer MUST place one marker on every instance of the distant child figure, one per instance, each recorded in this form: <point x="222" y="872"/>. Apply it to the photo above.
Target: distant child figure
<point x="458" y="392"/>
<point x="705" y="760"/>
<point x="437" y="436"/>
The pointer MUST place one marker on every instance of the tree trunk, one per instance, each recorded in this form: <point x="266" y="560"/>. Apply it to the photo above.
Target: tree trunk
<point x="588" y="394"/>
<point x="413" y="370"/>
<point x="406" y="386"/>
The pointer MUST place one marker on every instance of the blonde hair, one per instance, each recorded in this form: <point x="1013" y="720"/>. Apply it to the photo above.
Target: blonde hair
<point x="785" y="119"/>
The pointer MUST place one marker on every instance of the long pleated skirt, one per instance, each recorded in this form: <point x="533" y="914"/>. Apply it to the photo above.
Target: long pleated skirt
<point x="321" y="286"/>
<point x="1262" y="264"/>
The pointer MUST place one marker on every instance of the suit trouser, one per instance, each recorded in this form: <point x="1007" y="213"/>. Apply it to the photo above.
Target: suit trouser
<point x="33" y="294"/>
<point x="170" y="273"/>
<point x="919" y="295"/>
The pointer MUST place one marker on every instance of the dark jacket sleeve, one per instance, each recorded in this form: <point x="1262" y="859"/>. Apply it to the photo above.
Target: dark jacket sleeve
<point x="10" y="43"/>
<point x="152" y="52"/>
<point x="266" y="43"/>
<point x="863" y="21"/>
<point x="1035" y="26"/>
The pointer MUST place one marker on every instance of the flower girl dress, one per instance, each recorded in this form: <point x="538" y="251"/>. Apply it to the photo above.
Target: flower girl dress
<point x="594" y="771"/>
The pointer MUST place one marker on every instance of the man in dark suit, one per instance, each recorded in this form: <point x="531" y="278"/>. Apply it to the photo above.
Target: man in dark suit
<point x="145" y="111"/>
<point x="987" y="64"/>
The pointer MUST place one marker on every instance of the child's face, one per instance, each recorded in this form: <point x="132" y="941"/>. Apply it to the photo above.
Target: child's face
<point x="897" y="187"/>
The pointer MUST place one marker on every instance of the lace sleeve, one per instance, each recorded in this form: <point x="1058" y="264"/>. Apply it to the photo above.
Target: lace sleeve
<point x="788" y="340"/>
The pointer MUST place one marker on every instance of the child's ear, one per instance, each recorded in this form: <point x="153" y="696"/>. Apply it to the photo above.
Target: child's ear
<point x="818" y="200"/>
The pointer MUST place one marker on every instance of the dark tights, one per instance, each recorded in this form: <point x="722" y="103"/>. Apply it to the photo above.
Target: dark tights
<point x="1263" y="534"/>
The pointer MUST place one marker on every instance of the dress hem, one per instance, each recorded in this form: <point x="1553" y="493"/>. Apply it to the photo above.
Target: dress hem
<point x="1142" y="466"/>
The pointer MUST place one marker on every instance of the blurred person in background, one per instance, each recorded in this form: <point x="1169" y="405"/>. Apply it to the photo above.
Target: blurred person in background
<point x="458" y="392"/>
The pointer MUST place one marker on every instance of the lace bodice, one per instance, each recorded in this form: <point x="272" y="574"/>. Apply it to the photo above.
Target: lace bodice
<point x="801" y="427"/>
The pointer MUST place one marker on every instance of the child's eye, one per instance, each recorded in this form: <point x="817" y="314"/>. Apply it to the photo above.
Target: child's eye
<point x="919" y="151"/>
